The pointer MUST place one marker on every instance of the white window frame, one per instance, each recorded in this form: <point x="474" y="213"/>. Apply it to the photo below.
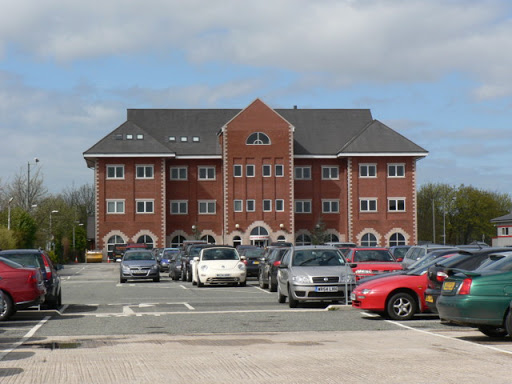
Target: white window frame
<point x="368" y="201"/>
<point x="301" y="169"/>
<point x="252" y="169"/>
<point x="396" y="200"/>
<point x="330" y="203"/>
<point x="303" y="204"/>
<point x="146" y="203"/>
<point x="367" y="167"/>
<point x="269" y="203"/>
<point x="178" y="169"/>
<point x="247" y="203"/>
<point x="239" y="168"/>
<point x="279" y="202"/>
<point x="504" y="231"/>
<point x="396" y="166"/>
<point x="207" y="204"/>
<point x="115" y="167"/>
<point x="116" y="201"/>
<point x="331" y="169"/>
<point x="145" y="167"/>
<point x="266" y="170"/>
<point x="241" y="205"/>
<point x="279" y="173"/>
<point x="207" y="169"/>
<point x="178" y="204"/>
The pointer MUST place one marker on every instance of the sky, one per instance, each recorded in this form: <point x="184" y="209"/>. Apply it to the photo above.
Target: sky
<point x="438" y="72"/>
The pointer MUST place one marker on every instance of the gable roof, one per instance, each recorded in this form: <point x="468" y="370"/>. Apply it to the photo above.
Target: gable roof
<point x="317" y="132"/>
<point x="503" y="219"/>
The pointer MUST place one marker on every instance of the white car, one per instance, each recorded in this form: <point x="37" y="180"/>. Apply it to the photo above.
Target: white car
<point x="219" y="265"/>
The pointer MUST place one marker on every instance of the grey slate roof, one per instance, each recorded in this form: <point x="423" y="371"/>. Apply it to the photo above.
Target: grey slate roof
<point x="502" y="219"/>
<point x="321" y="132"/>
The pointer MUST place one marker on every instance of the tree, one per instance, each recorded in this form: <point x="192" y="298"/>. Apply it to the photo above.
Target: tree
<point x="318" y="233"/>
<point x="27" y="191"/>
<point x="24" y="228"/>
<point x="7" y="240"/>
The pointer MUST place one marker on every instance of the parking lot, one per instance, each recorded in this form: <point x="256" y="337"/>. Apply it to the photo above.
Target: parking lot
<point x="172" y="331"/>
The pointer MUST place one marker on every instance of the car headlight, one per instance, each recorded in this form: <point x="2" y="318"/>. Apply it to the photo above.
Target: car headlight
<point x="204" y="268"/>
<point x="125" y="269"/>
<point x="365" y="271"/>
<point x="155" y="266"/>
<point x="300" y="279"/>
<point x="241" y="266"/>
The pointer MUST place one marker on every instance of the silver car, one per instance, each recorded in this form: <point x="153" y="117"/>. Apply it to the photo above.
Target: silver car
<point x="314" y="273"/>
<point x="139" y="264"/>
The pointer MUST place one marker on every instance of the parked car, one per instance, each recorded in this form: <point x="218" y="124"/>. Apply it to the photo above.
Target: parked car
<point x="314" y="273"/>
<point x="119" y="249"/>
<point x="191" y="250"/>
<point x="269" y="265"/>
<point x="175" y="265"/>
<point x="399" y="251"/>
<point x="416" y="252"/>
<point x="398" y="297"/>
<point x="479" y="298"/>
<point x="139" y="264"/>
<point x="371" y="261"/>
<point x="165" y="258"/>
<point x="252" y="254"/>
<point x="341" y="244"/>
<point x="465" y="260"/>
<point x="37" y="258"/>
<point x="219" y="265"/>
<point x="21" y="287"/>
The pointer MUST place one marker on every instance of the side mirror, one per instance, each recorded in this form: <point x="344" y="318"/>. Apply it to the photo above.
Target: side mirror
<point x="196" y="258"/>
<point x="353" y="265"/>
<point x="243" y="258"/>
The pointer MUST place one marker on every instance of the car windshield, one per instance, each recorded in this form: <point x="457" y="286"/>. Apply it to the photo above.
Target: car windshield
<point x="139" y="256"/>
<point x="257" y="252"/>
<point x="219" y="254"/>
<point x="317" y="257"/>
<point x="372" y="255"/>
<point x="170" y="253"/>
<point x="400" y="252"/>
<point x="496" y="263"/>
<point x="24" y="259"/>
<point x="424" y="267"/>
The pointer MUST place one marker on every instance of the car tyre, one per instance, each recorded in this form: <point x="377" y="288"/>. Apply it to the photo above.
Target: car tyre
<point x="508" y="323"/>
<point x="9" y="308"/>
<point x="293" y="303"/>
<point x="243" y="283"/>
<point x="189" y="276"/>
<point x="54" y="302"/>
<point x="263" y="285"/>
<point x="122" y="281"/>
<point x="401" y="306"/>
<point x="156" y="279"/>
<point x="280" y="297"/>
<point x="272" y="286"/>
<point x="199" y="284"/>
<point x="493" y="331"/>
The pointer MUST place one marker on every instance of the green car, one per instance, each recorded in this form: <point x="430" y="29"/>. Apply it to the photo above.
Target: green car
<point x="480" y="298"/>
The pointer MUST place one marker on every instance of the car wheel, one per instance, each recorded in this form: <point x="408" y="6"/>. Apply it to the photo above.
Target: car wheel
<point x="291" y="301"/>
<point x="280" y="297"/>
<point x="59" y="299"/>
<point x="243" y="283"/>
<point x="189" y="276"/>
<point x="54" y="302"/>
<point x="122" y="281"/>
<point x="272" y="285"/>
<point x="492" y="331"/>
<point x="401" y="306"/>
<point x="156" y="279"/>
<point x="508" y="323"/>
<point x="263" y="285"/>
<point x="199" y="284"/>
<point x="8" y="308"/>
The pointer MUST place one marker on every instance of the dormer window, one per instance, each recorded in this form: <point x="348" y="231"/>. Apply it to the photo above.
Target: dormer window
<point x="129" y="136"/>
<point x="184" y="139"/>
<point x="195" y="139"/>
<point x="172" y="139"/>
<point x="140" y="136"/>
<point x="258" y="138"/>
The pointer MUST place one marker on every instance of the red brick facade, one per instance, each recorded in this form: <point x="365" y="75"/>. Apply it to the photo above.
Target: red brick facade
<point x="174" y="202"/>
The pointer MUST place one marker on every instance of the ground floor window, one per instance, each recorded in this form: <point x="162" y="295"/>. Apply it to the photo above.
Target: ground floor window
<point x="209" y="239"/>
<point x="145" y="239"/>
<point x="237" y="241"/>
<point x="177" y="241"/>
<point x="331" y="238"/>
<point x="396" y="239"/>
<point x="116" y="239"/>
<point x="369" y="240"/>
<point x="303" y="240"/>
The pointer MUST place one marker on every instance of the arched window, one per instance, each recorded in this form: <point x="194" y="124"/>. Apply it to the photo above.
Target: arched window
<point x="145" y="239"/>
<point x="281" y="238"/>
<point x="258" y="138"/>
<point x="209" y="239"/>
<point x="177" y="241"/>
<point x="237" y="240"/>
<point x="331" y="238"/>
<point x="396" y="239"/>
<point x="259" y="231"/>
<point x="368" y="240"/>
<point x="116" y="239"/>
<point x="303" y="240"/>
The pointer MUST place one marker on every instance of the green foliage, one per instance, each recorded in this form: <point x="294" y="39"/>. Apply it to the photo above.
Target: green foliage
<point x="24" y="227"/>
<point x="463" y="214"/>
<point x="318" y="234"/>
<point x="7" y="240"/>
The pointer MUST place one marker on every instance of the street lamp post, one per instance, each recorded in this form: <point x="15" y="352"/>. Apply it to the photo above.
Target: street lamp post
<point x="36" y="160"/>
<point x="9" y="213"/>
<point x="51" y="236"/>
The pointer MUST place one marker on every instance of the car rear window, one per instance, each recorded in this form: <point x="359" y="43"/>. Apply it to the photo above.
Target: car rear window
<point x="24" y="259"/>
<point x="372" y="255"/>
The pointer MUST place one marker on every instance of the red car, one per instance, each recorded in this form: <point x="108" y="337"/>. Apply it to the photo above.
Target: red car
<point x="398" y="296"/>
<point x="21" y="287"/>
<point x="371" y="261"/>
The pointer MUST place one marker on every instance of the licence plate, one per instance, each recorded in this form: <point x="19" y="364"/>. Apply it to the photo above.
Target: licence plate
<point x="448" y="285"/>
<point x="223" y="275"/>
<point x="326" y="289"/>
<point x="429" y="299"/>
<point x="255" y="262"/>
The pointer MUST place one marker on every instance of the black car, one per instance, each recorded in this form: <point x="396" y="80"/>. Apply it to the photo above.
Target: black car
<point x="175" y="265"/>
<point x="252" y="254"/>
<point x="269" y="265"/>
<point x="190" y="251"/>
<point x="465" y="260"/>
<point x="37" y="258"/>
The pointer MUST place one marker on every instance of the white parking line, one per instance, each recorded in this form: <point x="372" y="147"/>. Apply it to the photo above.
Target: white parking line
<point x="27" y="336"/>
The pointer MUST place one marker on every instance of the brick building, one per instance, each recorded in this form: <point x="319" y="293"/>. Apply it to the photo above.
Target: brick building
<point x="255" y="175"/>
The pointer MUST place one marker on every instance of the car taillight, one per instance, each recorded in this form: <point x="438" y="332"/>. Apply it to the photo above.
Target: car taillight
<point x="47" y="268"/>
<point x="244" y="261"/>
<point x="441" y="276"/>
<point x="277" y="263"/>
<point x="465" y="287"/>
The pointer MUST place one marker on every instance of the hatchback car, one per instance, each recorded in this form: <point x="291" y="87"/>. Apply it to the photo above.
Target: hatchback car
<point x="21" y="287"/>
<point x="479" y="298"/>
<point x="371" y="261"/>
<point x="314" y="273"/>
<point x="269" y="265"/>
<point x="37" y="258"/>
<point x="165" y="257"/>
<point x="139" y="264"/>
<point x="219" y="265"/>
<point x="416" y="252"/>
<point x="252" y="259"/>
